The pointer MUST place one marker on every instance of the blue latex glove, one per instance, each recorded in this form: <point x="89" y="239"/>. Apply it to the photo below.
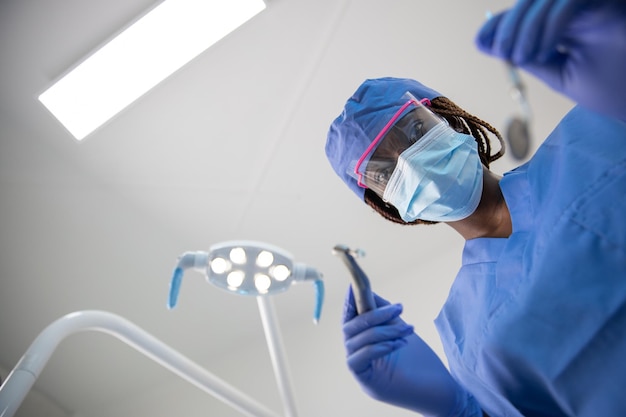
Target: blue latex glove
<point x="577" y="47"/>
<point x="394" y="365"/>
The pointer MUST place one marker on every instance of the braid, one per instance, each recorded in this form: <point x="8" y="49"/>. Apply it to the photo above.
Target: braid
<point x="472" y="125"/>
<point x="460" y="120"/>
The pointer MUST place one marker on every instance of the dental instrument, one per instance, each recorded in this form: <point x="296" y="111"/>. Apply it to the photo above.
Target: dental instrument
<point x="518" y="126"/>
<point x="361" y="287"/>
<point x="517" y="134"/>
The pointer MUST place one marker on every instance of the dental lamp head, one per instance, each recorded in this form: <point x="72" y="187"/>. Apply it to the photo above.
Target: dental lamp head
<point x="247" y="268"/>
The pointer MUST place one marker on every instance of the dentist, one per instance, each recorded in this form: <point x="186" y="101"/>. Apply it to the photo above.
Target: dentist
<point x="535" y="321"/>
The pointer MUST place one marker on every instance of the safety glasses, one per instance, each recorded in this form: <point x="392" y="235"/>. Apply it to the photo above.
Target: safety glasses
<point x="412" y="121"/>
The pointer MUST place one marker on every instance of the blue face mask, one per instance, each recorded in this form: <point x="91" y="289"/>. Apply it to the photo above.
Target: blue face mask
<point x="439" y="178"/>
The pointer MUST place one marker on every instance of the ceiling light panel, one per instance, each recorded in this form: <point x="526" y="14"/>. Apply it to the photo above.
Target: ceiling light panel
<point x="139" y="58"/>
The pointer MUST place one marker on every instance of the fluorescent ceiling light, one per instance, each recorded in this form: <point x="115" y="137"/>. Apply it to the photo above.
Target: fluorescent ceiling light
<point x="158" y="44"/>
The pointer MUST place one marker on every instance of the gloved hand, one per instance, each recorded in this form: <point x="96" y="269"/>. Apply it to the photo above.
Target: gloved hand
<point x="577" y="47"/>
<point x="394" y="365"/>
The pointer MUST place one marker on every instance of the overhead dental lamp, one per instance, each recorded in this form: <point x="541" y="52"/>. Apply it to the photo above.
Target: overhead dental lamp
<point x="254" y="269"/>
<point x="247" y="268"/>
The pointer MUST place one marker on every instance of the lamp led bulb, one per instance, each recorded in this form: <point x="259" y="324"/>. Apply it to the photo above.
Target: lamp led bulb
<point x="238" y="256"/>
<point x="220" y="265"/>
<point x="235" y="279"/>
<point x="262" y="282"/>
<point x="264" y="259"/>
<point x="280" y="272"/>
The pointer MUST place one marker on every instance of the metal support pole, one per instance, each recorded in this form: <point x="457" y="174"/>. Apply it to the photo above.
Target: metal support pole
<point x="277" y="353"/>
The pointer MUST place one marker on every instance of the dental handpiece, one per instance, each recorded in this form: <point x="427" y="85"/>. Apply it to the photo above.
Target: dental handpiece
<point x="363" y="296"/>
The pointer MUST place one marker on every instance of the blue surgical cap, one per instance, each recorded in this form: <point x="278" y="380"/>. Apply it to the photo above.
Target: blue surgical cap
<point x="365" y="114"/>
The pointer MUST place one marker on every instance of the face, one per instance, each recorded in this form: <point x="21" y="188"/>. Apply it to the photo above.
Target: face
<point x="406" y="132"/>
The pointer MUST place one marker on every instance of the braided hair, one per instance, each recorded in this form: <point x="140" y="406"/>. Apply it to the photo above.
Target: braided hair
<point x="461" y="121"/>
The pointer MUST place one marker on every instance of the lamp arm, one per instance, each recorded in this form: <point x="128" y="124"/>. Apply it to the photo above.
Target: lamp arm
<point x="23" y="376"/>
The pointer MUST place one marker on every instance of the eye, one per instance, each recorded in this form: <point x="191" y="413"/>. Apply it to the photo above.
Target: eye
<point x="416" y="132"/>
<point x="382" y="176"/>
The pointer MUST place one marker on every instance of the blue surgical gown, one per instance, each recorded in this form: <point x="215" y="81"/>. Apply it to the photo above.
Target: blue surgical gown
<point x="535" y="324"/>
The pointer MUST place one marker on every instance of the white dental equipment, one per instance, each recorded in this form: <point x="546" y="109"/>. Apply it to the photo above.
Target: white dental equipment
<point x="261" y="259"/>
<point x="257" y="269"/>
<point x="248" y="268"/>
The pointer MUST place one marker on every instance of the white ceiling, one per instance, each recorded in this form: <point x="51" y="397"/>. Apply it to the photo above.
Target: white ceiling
<point x="230" y="147"/>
